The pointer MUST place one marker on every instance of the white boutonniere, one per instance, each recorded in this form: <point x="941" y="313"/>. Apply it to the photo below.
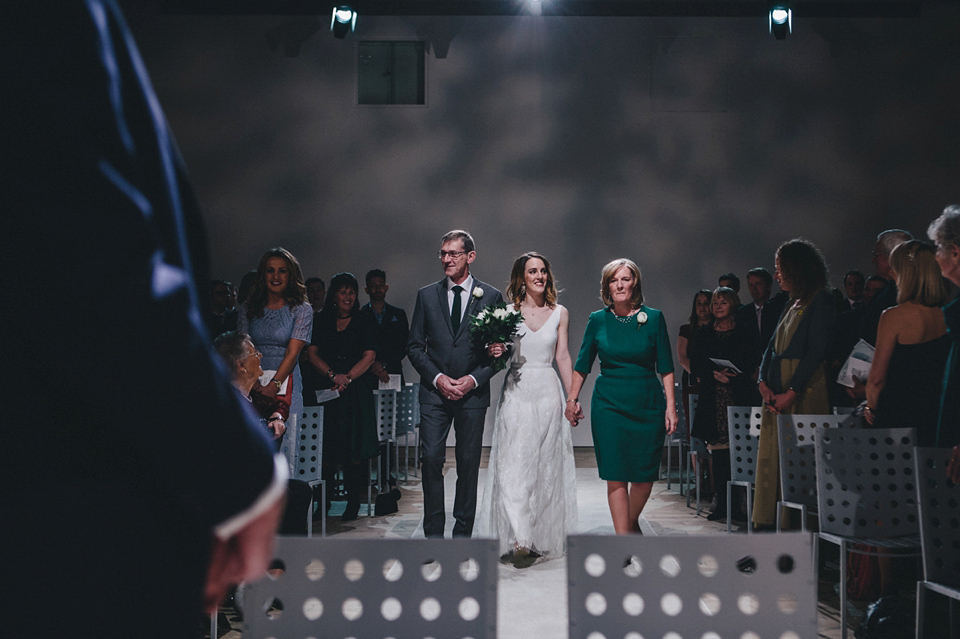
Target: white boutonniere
<point x="641" y="319"/>
<point x="478" y="292"/>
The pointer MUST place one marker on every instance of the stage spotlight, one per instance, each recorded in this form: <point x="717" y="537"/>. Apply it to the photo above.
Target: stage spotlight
<point x="342" y="20"/>
<point x="781" y="21"/>
<point x="535" y="7"/>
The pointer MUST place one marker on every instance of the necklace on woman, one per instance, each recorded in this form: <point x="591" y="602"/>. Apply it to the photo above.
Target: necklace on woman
<point x="623" y="319"/>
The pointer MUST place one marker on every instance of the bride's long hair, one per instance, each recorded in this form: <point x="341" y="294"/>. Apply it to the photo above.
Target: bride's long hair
<point x="517" y="290"/>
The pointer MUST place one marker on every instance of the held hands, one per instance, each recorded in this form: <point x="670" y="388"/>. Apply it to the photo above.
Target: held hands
<point x="497" y="349"/>
<point x="455" y="389"/>
<point x="779" y="403"/>
<point x="340" y="382"/>
<point x="573" y="412"/>
<point x="724" y="376"/>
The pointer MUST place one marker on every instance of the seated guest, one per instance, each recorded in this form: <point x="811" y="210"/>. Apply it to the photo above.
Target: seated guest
<point x="945" y="231"/>
<point x="730" y="280"/>
<point x="723" y="338"/>
<point x="699" y="316"/>
<point x="342" y="349"/>
<point x="221" y="317"/>
<point x="793" y="371"/>
<point x="392" y="328"/>
<point x="903" y="388"/>
<point x="243" y="363"/>
<point x="853" y="283"/>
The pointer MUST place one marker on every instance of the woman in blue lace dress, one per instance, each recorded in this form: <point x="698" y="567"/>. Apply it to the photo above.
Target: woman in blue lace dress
<point x="279" y="321"/>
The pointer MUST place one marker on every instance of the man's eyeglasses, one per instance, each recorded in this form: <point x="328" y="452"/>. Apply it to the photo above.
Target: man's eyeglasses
<point x="453" y="254"/>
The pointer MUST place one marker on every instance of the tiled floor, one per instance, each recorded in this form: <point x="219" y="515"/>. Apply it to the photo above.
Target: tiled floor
<point x="532" y="602"/>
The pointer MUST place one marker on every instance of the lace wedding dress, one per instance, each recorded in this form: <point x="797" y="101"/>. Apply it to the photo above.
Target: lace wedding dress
<point x="530" y="498"/>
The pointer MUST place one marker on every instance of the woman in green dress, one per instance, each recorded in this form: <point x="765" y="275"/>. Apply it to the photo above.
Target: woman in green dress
<point x="630" y="411"/>
<point x="793" y="373"/>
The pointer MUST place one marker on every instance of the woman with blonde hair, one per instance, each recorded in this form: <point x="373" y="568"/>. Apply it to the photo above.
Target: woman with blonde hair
<point x="279" y="320"/>
<point x="530" y="500"/>
<point x="903" y="388"/>
<point x="631" y="409"/>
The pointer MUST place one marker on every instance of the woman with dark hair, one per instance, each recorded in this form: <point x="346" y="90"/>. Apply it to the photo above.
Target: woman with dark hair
<point x="720" y="386"/>
<point x="632" y="409"/>
<point x="530" y="501"/>
<point x="912" y="345"/>
<point x="342" y="350"/>
<point x="793" y="375"/>
<point x="278" y="320"/>
<point x="700" y="315"/>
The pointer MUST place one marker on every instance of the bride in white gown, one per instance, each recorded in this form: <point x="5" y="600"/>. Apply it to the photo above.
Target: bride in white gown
<point x="530" y="499"/>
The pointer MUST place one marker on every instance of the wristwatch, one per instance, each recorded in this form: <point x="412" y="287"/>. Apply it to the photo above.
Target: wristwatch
<point x="277" y="383"/>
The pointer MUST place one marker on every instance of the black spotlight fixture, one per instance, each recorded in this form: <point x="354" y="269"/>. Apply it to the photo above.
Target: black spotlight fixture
<point x="781" y="19"/>
<point x="343" y="20"/>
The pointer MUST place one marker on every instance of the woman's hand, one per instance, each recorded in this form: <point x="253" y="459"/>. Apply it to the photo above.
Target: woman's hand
<point x="380" y="372"/>
<point x="496" y="349"/>
<point x="868" y="415"/>
<point x="782" y="402"/>
<point x="269" y="390"/>
<point x="671" y="420"/>
<point x="340" y="382"/>
<point x="765" y="392"/>
<point x="573" y="412"/>
<point x="724" y="376"/>
<point x="277" y="425"/>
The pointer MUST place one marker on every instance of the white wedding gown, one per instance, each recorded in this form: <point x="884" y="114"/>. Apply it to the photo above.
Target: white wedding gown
<point x="530" y="498"/>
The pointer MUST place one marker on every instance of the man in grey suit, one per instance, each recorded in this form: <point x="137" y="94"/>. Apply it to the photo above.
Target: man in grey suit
<point x="455" y="373"/>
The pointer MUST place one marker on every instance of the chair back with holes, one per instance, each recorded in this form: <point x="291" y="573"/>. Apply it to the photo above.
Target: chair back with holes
<point x="386" y="403"/>
<point x="408" y="409"/>
<point x="309" y="461"/>
<point x="715" y="585"/>
<point x="798" y="455"/>
<point x="939" y="500"/>
<point x="743" y="426"/>
<point x="866" y="483"/>
<point x="376" y="588"/>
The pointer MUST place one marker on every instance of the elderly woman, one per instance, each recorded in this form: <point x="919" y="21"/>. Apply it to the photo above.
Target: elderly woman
<point x="793" y="371"/>
<point x="912" y="345"/>
<point x="278" y="319"/>
<point x="721" y="386"/>
<point x="700" y="315"/>
<point x="342" y="350"/>
<point x="945" y="232"/>
<point x="631" y="409"/>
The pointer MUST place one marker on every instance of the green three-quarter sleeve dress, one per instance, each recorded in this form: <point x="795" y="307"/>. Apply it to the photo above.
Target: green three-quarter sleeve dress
<point x="628" y="406"/>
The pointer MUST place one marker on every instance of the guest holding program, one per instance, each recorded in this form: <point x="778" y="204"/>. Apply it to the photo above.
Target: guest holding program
<point x="631" y="410"/>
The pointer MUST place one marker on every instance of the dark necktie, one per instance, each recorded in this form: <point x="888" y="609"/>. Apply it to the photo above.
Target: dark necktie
<point x="455" y="313"/>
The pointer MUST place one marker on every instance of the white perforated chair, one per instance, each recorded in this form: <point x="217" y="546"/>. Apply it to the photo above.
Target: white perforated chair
<point x="743" y="427"/>
<point x="704" y="586"/>
<point x="386" y="406"/>
<point x="797" y="435"/>
<point x="408" y="419"/>
<point x="339" y="588"/>
<point x="309" y="463"/>
<point x="939" y="503"/>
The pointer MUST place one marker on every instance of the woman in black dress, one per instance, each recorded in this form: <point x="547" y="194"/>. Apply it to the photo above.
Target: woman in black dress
<point x="721" y="386"/>
<point x="342" y="350"/>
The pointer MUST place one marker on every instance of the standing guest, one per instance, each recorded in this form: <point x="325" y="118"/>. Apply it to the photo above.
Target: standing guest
<point x="793" y="371"/>
<point x="392" y="329"/>
<point x="631" y="409"/>
<point x="730" y="280"/>
<point x="874" y="285"/>
<point x="887" y="296"/>
<point x="246" y="285"/>
<point x="853" y="283"/>
<point x="221" y="317"/>
<point x="455" y="375"/>
<point x="172" y="491"/>
<point x="279" y="321"/>
<point x="700" y="315"/>
<point x="728" y="339"/>
<point x="530" y="501"/>
<point x="764" y="311"/>
<point x="945" y="231"/>
<point x="316" y="292"/>
<point x="912" y="345"/>
<point x="341" y="350"/>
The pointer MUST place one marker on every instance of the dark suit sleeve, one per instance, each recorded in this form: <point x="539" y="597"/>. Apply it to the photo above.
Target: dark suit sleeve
<point x="417" y="344"/>
<point x="124" y="385"/>
<point x="394" y="338"/>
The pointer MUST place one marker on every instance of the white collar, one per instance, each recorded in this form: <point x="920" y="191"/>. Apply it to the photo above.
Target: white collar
<point x="467" y="284"/>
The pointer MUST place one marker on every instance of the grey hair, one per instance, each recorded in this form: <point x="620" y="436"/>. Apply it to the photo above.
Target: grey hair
<point x="459" y="234"/>
<point x="231" y="348"/>
<point x="892" y="238"/>
<point x="946" y="228"/>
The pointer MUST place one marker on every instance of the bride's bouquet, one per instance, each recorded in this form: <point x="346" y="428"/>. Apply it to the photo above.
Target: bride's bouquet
<point x="495" y="324"/>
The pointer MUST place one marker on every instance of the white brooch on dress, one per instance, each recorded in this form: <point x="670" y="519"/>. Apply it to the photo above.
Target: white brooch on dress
<point x="641" y="319"/>
<point x="478" y="292"/>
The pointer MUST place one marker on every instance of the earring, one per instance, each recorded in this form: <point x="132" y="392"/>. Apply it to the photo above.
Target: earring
<point x="523" y="291"/>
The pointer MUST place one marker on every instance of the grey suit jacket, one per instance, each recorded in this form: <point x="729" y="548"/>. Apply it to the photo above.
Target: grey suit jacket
<point x="434" y="348"/>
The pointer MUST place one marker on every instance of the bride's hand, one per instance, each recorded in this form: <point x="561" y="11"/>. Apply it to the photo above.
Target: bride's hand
<point x="496" y="349"/>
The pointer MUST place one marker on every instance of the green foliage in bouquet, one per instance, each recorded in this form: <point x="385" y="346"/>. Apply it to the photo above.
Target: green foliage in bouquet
<point x="495" y="324"/>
